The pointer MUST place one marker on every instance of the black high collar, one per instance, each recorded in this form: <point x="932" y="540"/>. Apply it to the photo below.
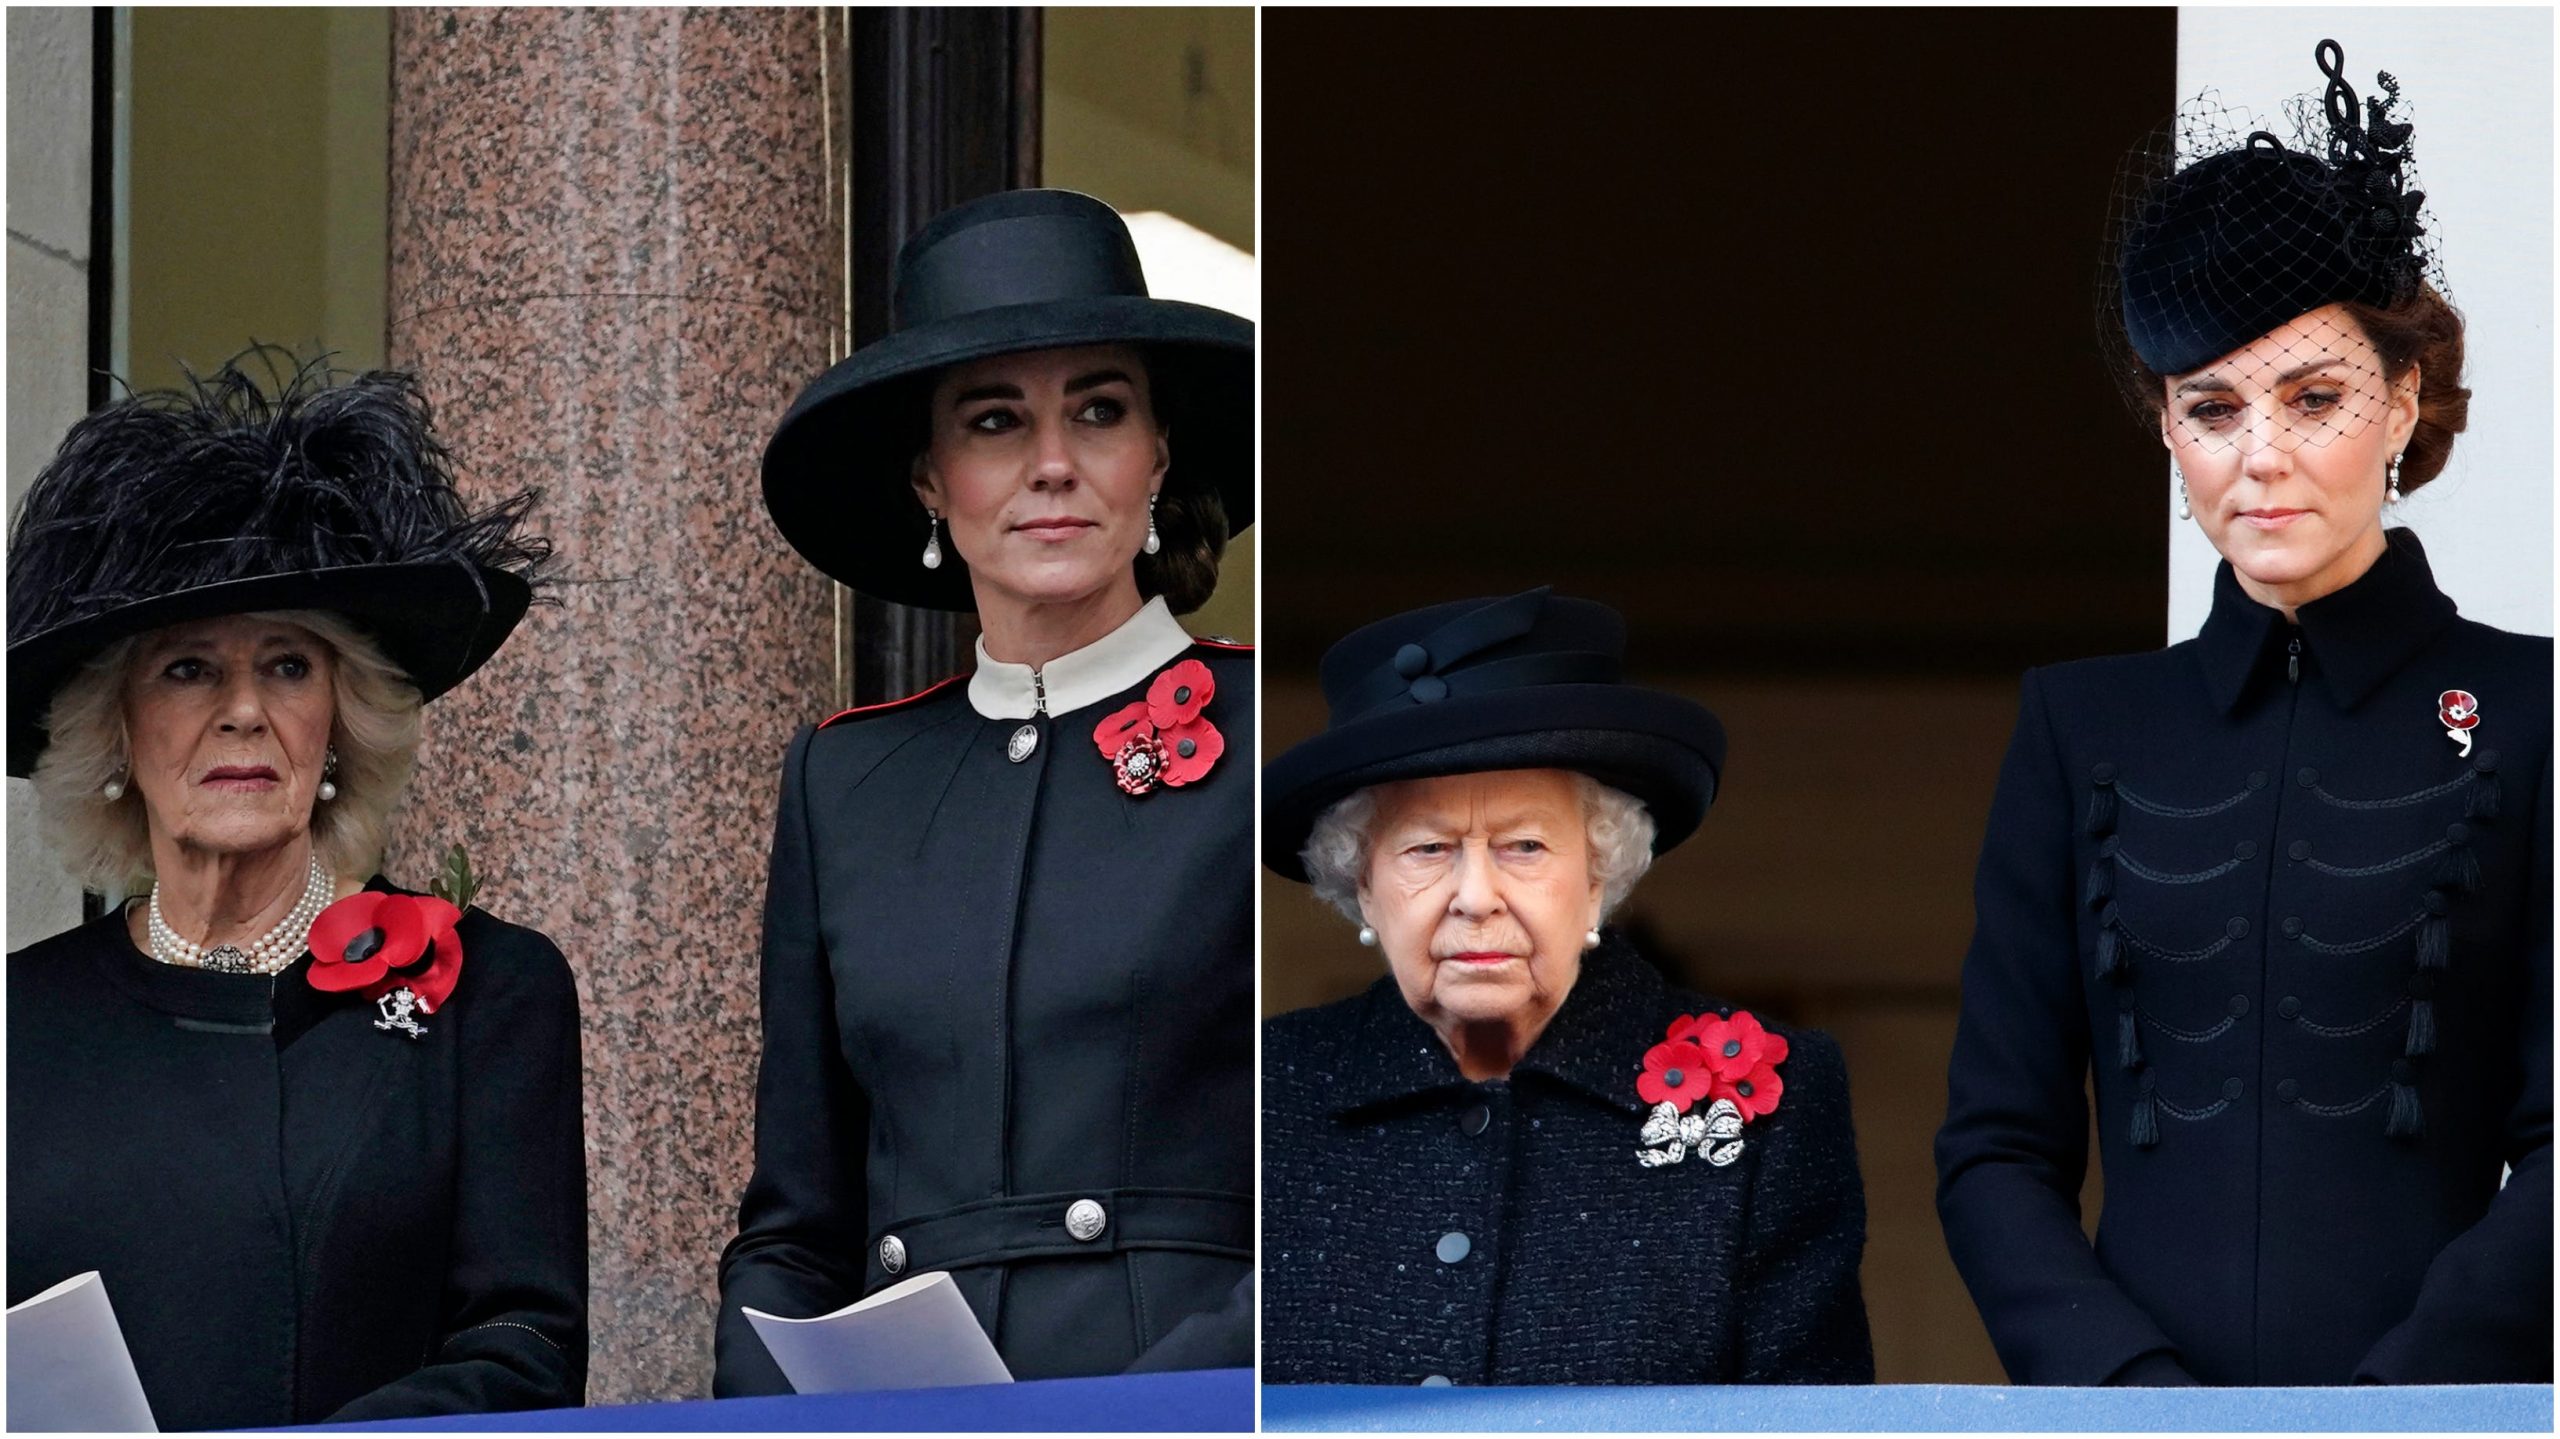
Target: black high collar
<point x="2358" y="637"/>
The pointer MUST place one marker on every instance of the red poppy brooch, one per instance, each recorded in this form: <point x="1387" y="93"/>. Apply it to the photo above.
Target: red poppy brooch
<point x="1164" y="739"/>
<point x="399" y="950"/>
<point x="1731" y="1063"/>
<point x="2459" y="712"/>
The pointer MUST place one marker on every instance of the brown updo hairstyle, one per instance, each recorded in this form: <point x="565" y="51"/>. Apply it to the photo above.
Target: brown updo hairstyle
<point x="2423" y="329"/>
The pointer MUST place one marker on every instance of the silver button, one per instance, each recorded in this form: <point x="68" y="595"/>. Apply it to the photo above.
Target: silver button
<point x="1085" y="1220"/>
<point x="1453" y="1246"/>
<point x="1024" y="741"/>
<point x="893" y="1254"/>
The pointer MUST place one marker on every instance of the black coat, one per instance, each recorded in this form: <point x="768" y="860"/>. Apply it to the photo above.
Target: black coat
<point x="298" y="1216"/>
<point x="1578" y="1265"/>
<point x="2303" y="945"/>
<point x="991" y="989"/>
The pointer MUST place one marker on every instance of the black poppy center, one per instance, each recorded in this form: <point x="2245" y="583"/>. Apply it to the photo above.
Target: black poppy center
<point x="364" y="946"/>
<point x="1186" y="748"/>
<point x="1673" y="1077"/>
<point x="1743" y="1089"/>
<point x="1732" y="1047"/>
<point x="1182" y="694"/>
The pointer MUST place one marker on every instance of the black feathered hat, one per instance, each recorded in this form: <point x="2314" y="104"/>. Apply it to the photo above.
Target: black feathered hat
<point x="222" y="499"/>
<point x="1021" y="270"/>
<point x="2218" y="243"/>
<point x="1529" y="682"/>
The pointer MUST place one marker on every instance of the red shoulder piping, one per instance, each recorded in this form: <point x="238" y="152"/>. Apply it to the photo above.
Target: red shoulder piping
<point x="893" y="704"/>
<point x="1222" y="644"/>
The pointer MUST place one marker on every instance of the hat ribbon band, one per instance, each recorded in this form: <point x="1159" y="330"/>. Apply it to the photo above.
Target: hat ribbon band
<point x="1564" y="667"/>
<point x="1028" y="260"/>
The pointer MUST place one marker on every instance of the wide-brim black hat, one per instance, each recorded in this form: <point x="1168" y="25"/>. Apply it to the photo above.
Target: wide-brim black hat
<point x="1022" y="270"/>
<point x="2254" y="234"/>
<point x="224" y="499"/>
<point x="1529" y="682"/>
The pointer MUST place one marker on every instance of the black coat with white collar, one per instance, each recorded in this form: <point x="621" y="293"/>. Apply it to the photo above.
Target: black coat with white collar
<point x="995" y="985"/>
<point x="1579" y="1265"/>
<point x="2298" y="932"/>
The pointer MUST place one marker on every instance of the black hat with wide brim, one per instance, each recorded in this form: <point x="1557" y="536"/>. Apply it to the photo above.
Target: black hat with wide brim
<point x="1017" y="271"/>
<point x="1529" y="682"/>
<point x="229" y="498"/>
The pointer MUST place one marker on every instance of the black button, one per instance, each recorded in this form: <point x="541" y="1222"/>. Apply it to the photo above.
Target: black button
<point x="2108" y="847"/>
<point x="1453" y="1246"/>
<point x="1436" y="1381"/>
<point x="2289" y="1090"/>
<point x="1186" y="748"/>
<point x="2239" y="1005"/>
<point x="2436" y="902"/>
<point x="1412" y="660"/>
<point x="1430" y="689"/>
<point x="2458" y="832"/>
<point x="2289" y="1006"/>
<point x="2231" y="1088"/>
<point x="2148" y="1081"/>
<point x="2103" y="773"/>
<point x="2257" y="779"/>
<point x="2124" y="1000"/>
<point x="2299" y="849"/>
<point x="2422" y="985"/>
<point x="2245" y="849"/>
<point x="2487" y="763"/>
<point x="2292" y="927"/>
<point x="2403" y="1072"/>
<point x="2308" y="777"/>
<point x="2238" y="928"/>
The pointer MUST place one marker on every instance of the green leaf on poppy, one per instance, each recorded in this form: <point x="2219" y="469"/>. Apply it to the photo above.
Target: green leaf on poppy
<point x="455" y="883"/>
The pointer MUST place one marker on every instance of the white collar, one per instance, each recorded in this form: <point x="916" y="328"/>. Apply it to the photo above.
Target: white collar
<point x="1145" y="642"/>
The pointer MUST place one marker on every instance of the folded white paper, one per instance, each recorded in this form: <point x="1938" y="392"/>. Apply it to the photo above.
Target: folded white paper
<point x="68" y="1367"/>
<point x="915" y="1334"/>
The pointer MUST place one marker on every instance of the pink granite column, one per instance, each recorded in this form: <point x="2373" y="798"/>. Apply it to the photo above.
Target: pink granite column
<point x="615" y="255"/>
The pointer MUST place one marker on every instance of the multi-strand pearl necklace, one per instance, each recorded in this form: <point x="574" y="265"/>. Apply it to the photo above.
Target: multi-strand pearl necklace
<point x="281" y="946"/>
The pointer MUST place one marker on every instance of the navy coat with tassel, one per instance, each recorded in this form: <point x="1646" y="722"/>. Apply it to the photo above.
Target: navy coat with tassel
<point x="2294" y="918"/>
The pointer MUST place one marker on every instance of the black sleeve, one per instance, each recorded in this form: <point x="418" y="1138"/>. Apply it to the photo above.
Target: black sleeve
<point x="2015" y="1146"/>
<point x="1220" y="1338"/>
<point x="2484" y="1310"/>
<point x="1804" y="1320"/>
<point x="802" y="1226"/>
<point x="515" y="1331"/>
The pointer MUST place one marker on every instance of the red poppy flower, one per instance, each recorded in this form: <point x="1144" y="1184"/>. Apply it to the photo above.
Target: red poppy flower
<point x="1121" y="726"/>
<point x="2456" y="709"/>
<point x="376" y="943"/>
<point x="1180" y="693"/>
<point x="1738" y="1046"/>
<point x="1674" y="1071"/>
<point x="1755" y="1092"/>
<point x="1189" y="751"/>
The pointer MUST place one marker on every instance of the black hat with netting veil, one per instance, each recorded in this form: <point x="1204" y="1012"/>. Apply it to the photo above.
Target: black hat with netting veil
<point x="1016" y="271"/>
<point x="230" y="497"/>
<point x="2225" y="232"/>
<point x="1529" y="682"/>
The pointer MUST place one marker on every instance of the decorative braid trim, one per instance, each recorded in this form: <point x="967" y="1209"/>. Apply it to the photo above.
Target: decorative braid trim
<point x="2362" y="946"/>
<point x="2188" y="1036"/>
<point x="2385" y="867"/>
<point x="2171" y="811"/>
<point x="509" y="1324"/>
<point x="2398" y="801"/>
<point x="2336" y="1111"/>
<point x="2350" y="1031"/>
<point x="2140" y="870"/>
<point x="2208" y="1112"/>
<point x="2174" y="956"/>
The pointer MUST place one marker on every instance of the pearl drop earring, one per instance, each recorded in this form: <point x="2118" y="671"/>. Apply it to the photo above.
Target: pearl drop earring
<point x="2185" y="510"/>
<point x="2395" y="480"/>
<point x="328" y="773"/>
<point x="1153" y="544"/>
<point x="1591" y="938"/>
<point x="933" y="539"/>
<point x="1368" y="936"/>
<point x="114" y="788"/>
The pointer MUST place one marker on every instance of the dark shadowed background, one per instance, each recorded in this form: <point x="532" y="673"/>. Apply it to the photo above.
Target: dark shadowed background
<point x="1777" y="331"/>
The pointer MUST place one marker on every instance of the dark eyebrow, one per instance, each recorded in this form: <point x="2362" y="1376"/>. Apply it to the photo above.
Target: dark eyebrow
<point x="1098" y="377"/>
<point x="2216" y="382"/>
<point x="2200" y="383"/>
<point x="986" y="392"/>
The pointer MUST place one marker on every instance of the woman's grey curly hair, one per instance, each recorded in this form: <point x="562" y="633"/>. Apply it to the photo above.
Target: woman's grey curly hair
<point x="1620" y="828"/>
<point x="106" y="844"/>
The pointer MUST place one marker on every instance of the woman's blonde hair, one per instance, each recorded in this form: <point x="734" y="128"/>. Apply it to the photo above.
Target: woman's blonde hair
<point x="106" y="844"/>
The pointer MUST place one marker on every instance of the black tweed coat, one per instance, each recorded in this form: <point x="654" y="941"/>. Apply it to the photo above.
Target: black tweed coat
<point x="1419" y="1228"/>
<point x="2301" y="941"/>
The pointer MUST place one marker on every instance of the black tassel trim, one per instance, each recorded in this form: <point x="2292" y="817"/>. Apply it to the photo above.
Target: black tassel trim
<point x="2102" y="881"/>
<point x="2146" y="1120"/>
<point x="2110" y="948"/>
<point x="2460" y="869"/>
<point x="2102" y="809"/>
<point x="2128" y="1041"/>
<point x="2407" y="1120"/>
<point x="2435" y="942"/>
<point x="2483" y="803"/>
<point x="2422" y="1028"/>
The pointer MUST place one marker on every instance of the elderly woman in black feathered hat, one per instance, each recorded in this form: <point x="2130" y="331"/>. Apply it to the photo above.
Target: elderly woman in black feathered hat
<point x="1521" y="1157"/>
<point x="2282" y="892"/>
<point x="320" y="1136"/>
<point x="1008" y="947"/>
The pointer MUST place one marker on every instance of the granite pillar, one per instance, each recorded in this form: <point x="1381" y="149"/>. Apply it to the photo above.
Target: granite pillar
<point x="616" y="253"/>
